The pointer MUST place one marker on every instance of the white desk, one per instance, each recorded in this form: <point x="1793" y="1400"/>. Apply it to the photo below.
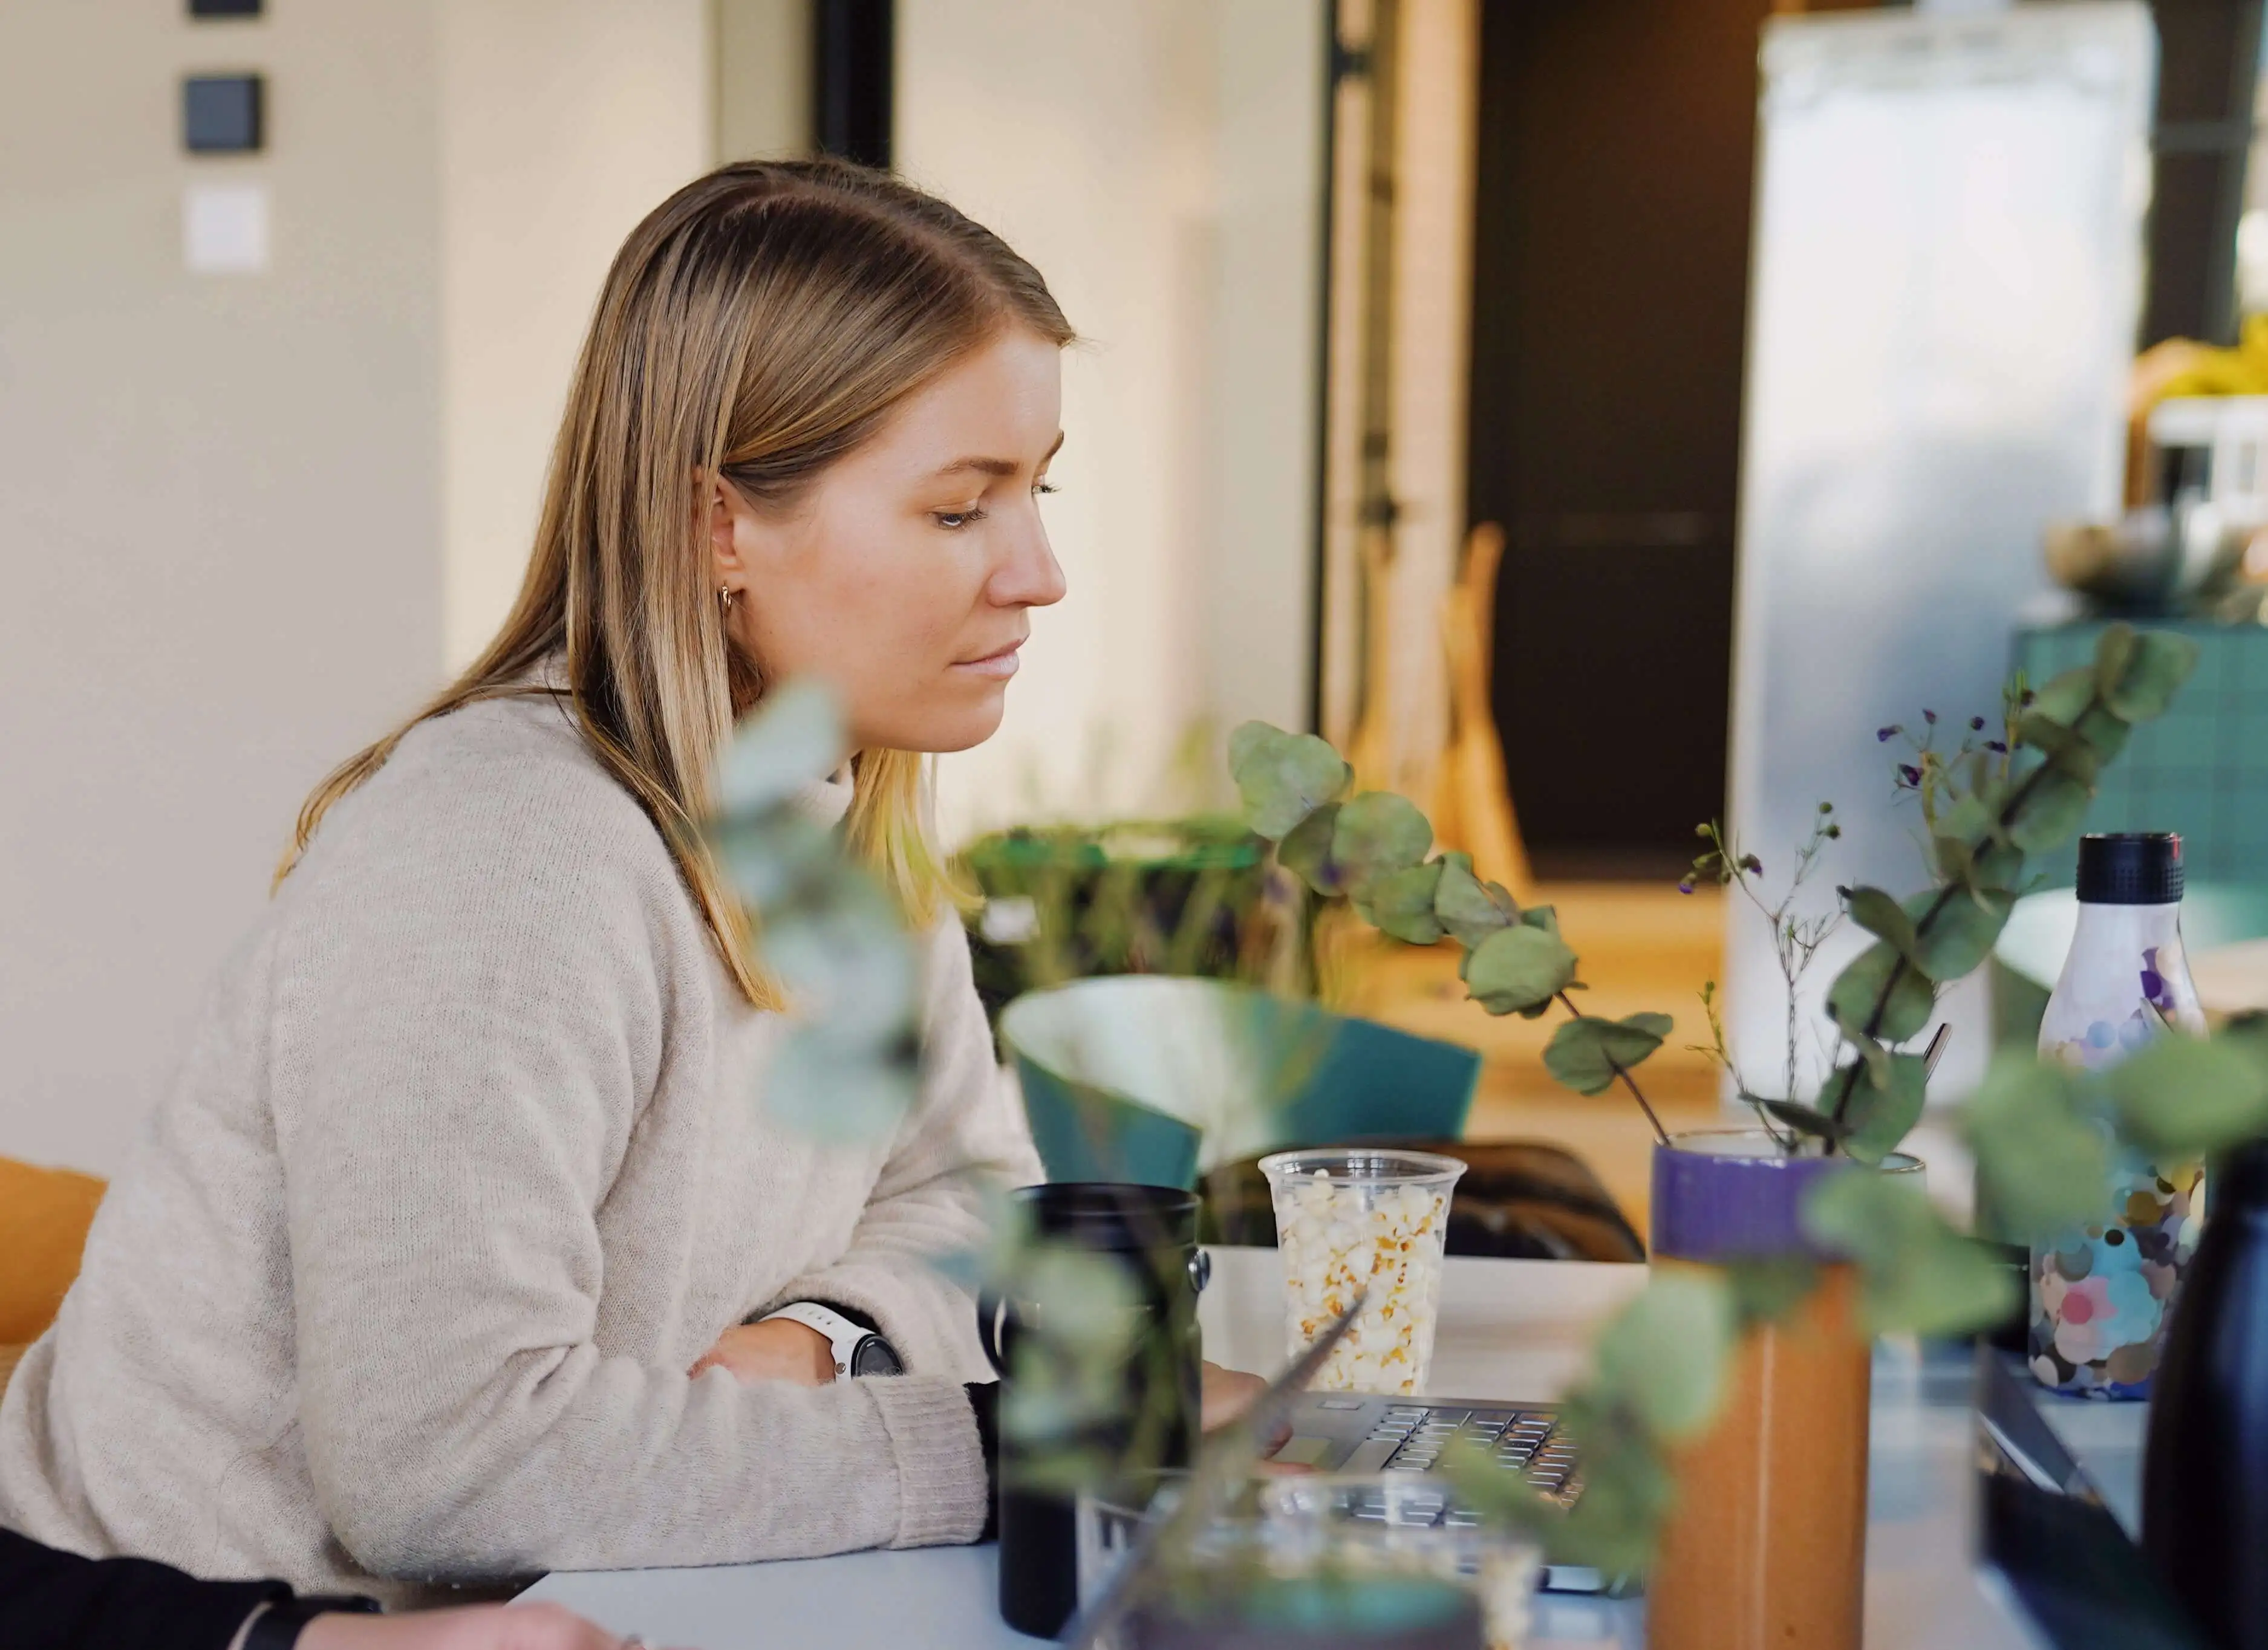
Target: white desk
<point x="1509" y="1328"/>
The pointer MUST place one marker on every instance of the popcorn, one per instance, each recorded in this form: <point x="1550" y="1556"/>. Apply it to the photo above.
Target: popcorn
<point x="1335" y="1241"/>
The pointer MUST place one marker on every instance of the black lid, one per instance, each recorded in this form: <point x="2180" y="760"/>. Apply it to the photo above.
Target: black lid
<point x="2132" y="868"/>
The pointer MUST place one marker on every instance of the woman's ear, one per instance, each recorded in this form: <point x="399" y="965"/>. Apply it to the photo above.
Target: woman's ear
<point x="723" y="509"/>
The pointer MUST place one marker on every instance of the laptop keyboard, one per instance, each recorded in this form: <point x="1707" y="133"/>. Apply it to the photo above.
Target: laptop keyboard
<point x="1526" y="1441"/>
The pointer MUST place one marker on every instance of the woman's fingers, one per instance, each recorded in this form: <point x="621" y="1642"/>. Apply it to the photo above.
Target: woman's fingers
<point x="1227" y="1394"/>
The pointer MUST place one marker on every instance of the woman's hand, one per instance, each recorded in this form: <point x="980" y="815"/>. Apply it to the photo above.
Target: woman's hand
<point x="1227" y="1394"/>
<point x="480" y="1627"/>
<point x="778" y="1349"/>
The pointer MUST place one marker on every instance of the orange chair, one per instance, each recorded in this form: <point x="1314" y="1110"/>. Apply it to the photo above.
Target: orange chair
<point x="44" y="1214"/>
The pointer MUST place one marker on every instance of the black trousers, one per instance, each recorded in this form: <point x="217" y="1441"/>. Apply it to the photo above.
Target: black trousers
<point x="58" y="1601"/>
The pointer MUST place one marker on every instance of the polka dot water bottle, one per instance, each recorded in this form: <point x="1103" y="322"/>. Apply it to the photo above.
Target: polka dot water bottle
<point x="2102" y="1292"/>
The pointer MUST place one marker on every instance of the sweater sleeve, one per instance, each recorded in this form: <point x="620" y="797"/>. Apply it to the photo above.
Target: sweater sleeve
<point x="965" y="1143"/>
<point x="458" y="1058"/>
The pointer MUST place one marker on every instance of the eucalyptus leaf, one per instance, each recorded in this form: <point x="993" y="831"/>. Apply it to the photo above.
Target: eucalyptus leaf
<point x="2181" y="1097"/>
<point x="1517" y="969"/>
<point x="1882" y="1114"/>
<point x="1469" y="908"/>
<point x="1305" y="850"/>
<point x="838" y="1091"/>
<point x="1628" y="1494"/>
<point x="2042" y="1162"/>
<point x="792" y="737"/>
<point x="1402" y="903"/>
<point x="2066" y="696"/>
<point x="1544" y="917"/>
<point x="1954" y="935"/>
<point x="1880" y="916"/>
<point x="2103" y="730"/>
<point x="2114" y="652"/>
<point x="1665" y="1356"/>
<point x="1377" y="833"/>
<point x="844" y="959"/>
<point x="767" y="854"/>
<point x="1919" y="1275"/>
<point x="2070" y="751"/>
<point x="2052" y="805"/>
<point x="1969" y="819"/>
<point x="1879" y="981"/>
<point x="1283" y="777"/>
<point x="1585" y="1053"/>
<point x="1805" y="1119"/>
<point x="1765" y="1291"/>
<point x="2151" y="673"/>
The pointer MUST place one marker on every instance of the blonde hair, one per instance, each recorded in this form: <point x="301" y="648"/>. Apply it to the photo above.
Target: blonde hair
<point x="759" y="324"/>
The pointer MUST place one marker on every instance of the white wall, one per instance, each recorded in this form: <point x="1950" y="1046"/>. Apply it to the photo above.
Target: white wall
<point x="219" y="561"/>
<point x="1159" y="161"/>
<point x="563" y="122"/>
<point x="237" y="513"/>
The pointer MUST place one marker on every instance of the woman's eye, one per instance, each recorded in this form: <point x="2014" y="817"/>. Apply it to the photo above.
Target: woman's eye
<point x="951" y="519"/>
<point x="1044" y="488"/>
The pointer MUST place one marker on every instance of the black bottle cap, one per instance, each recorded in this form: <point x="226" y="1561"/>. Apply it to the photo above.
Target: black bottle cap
<point x="2134" y="868"/>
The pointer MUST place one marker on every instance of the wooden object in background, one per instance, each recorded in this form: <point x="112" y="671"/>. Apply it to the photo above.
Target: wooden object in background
<point x="1768" y="1546"/>
<point x="44" y="1214"/>
<point x="1472" y="798"/>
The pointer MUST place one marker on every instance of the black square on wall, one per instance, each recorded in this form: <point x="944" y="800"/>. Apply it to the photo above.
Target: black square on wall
<point x="220" y="114"/>
<point x="225" y="8"/>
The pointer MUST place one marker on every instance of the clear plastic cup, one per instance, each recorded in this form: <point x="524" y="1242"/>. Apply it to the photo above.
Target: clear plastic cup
<point x="1349" y="1219"/>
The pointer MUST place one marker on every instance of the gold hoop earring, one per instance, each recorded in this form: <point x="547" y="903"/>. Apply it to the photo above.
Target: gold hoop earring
<point x="724" y="595"/>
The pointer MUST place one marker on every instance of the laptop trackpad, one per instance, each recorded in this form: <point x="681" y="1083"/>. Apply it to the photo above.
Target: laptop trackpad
<point x="1302" y="1450"/>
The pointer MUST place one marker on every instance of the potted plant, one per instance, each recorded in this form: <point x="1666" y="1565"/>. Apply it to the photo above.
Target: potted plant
<point x="1676" y="1388"/>
<point x="1743" y="1369"/>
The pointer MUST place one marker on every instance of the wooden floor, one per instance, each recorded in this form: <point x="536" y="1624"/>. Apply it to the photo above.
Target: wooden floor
<point x="1642" y="947"/>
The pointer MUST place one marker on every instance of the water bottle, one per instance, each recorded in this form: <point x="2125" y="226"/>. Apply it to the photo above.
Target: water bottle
<point x="2102" y="1292"/>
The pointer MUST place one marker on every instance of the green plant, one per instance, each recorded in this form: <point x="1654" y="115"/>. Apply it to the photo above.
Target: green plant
<point x="1373" y="851"/>
<point x="2038" y="1134"/>
<point x="1796" y="939"/>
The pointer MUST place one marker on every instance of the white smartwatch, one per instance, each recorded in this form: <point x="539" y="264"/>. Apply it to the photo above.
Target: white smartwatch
<point x="858" y="1351"/>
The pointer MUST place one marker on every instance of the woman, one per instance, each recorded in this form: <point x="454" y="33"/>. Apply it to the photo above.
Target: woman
<point x="469" y="1164"/>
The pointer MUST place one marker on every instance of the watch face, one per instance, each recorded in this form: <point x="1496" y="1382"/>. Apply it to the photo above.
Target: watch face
<point x="874" y="1356"/>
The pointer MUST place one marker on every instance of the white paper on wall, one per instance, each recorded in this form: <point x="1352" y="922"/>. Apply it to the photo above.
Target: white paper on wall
<point x="1945" y="284"/>
<point x="224" y="228"/>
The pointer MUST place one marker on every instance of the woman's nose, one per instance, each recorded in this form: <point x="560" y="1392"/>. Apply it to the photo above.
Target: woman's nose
<point x="1029" y="575"/>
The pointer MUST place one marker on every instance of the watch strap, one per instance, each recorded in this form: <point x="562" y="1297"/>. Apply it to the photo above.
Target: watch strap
<point x="844" y="1336"/>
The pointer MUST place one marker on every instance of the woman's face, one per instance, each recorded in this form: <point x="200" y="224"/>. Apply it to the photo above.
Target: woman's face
<point x="904" y="577"/>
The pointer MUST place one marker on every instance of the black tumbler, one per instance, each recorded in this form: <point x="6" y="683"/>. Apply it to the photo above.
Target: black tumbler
<point x="1151" y="1232"/>
<point x="2204" y="1468"/>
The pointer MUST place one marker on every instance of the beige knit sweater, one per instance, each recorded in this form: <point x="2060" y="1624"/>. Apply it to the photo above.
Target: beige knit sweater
<point x="468" y="1163"/>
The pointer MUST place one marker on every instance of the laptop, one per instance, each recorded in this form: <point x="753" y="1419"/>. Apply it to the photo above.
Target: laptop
<point x="1352" y="1432"/>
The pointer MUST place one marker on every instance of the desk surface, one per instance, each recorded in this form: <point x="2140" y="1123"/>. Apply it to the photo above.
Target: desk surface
<point x="1509" y="1328"/>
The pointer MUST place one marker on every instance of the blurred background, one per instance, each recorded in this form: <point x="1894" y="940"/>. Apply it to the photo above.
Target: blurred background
<point x="1593" y="415"/>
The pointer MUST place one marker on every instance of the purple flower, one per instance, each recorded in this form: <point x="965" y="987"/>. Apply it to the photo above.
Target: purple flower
<point x="1909" y="774"/>
<point x="1751" y="864"/>
<point x="1976" y="724"/>
<point x="1685" y="887"/>
<point x="1882" y="735"/>
<point x="1930" y="716"/>
<point x="1996" y="747"/>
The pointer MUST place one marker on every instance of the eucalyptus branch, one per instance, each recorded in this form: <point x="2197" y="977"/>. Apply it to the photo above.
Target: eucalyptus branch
<point x="1375" y="851"/>
<point x="2002" y="823"/>
<point x="1628" y="1081"/>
